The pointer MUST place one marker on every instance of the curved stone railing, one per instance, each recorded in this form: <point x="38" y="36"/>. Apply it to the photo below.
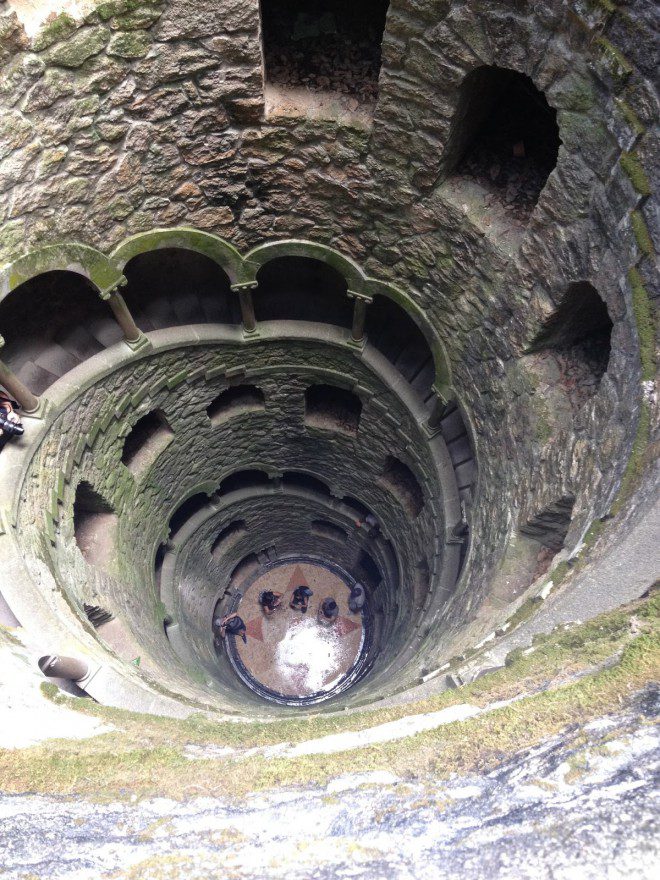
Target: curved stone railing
<point x="106" y="274"/>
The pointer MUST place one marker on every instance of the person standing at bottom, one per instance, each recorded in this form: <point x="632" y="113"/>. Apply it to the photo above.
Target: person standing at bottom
<point x="232" y="624"/>
<point x="328" y="612"/>
<point x="269" y="601"/>
<point x="356" y="599"/>
<point x="300" y="599"/>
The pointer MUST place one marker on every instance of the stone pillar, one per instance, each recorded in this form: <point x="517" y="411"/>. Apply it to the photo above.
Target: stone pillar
<point x="28" y="401"/>
<point x="359" y="314"/>
<point x="443" y="397"/>
<point x="248" y="315"/>
<point x="122" y="315"/>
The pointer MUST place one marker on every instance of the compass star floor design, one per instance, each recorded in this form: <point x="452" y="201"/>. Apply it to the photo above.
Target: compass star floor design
<point x="291" y="653"/>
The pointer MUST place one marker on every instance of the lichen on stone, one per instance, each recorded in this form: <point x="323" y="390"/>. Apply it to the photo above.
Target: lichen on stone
<point x="644" y="322"/>
<point x="636" y="173"/>
<point x="129" y="44"/>
<point x="86" y="43"/>
<point x="641" y="234"/>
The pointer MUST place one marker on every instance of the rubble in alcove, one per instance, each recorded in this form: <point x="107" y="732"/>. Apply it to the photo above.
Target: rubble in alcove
<point x="325" y="47"/>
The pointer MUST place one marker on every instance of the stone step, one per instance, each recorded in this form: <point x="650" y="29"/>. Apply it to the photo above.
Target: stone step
<point x="105" y="330"/>
<point x="460" y="450"/>
<point x="36" y="378"/>
<point x="79" y="342"/>
<point x="56" y="360"/>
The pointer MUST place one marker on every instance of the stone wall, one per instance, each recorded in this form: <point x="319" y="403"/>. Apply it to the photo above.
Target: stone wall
<point x="151" y="114"/>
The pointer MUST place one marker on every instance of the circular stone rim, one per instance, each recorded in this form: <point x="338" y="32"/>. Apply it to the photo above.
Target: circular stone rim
<point x="358" y="669"/>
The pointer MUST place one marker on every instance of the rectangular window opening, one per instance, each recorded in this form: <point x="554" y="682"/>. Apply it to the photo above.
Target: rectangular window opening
<point x="322" y="57"/>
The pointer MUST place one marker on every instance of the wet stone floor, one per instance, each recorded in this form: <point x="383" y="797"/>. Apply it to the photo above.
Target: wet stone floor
<point x="289" y="652"/>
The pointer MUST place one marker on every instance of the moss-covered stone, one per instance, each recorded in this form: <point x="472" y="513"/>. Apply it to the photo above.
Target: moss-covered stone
<point x="11" y="239"/>
<point x="60" y="28"/>
<point x="637" y="461"/>
<point x="644" y="322"/>
<point x="635" y="171"/>
<point x="641" y="234"/>
<point x="616" y="63"/>
<point x="83" y="45"/>
<point x="114" y="8"/>
<point x="129" y="44"/>
<point x="630" y="116"/>
<point x="139" y="19"/>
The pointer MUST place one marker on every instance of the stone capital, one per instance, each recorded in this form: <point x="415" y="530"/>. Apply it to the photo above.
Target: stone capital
<point x="244" y="285"/>
<point x="357" y="295"/>
<point x="114" y="288"/>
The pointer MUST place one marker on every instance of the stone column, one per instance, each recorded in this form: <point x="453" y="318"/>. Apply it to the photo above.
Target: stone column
<point x="359" y="314"/>
<point x="122" y="315"/>
<point x="443" y="397"/>
<point x="28" y="401"/>
<point x="248" y="315"/>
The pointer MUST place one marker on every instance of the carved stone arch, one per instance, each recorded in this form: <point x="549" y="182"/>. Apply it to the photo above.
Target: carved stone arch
<point x="204" y="243"/>
<point x="77" y="258"/>
<point x="443" y="376"/>
<point x="263" y="254"/>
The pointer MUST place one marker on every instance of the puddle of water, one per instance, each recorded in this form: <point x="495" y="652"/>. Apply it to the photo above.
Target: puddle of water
<point x="307" y="655"/>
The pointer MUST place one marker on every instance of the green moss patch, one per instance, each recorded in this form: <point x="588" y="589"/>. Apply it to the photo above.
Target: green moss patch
<point x="636" y="173"/>
<point x="59" y="28"/>
<point x="131" y="44"/>
<point x="616" y="63"/>
<point x="84" y="44"/>
<point x="641" y="233"/>
<point x="644" y="321"/>
<point x="632" y="476"/>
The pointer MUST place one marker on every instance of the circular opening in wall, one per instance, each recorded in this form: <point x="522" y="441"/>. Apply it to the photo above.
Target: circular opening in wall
<point x="312" y="645"/>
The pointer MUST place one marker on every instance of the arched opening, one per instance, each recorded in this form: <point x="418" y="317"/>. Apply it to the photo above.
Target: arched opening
<point x="398" y="479"/>
<point x="358" y="510"/>
<point x="393" y="332"/>
<point x="548" y="529"/>
<point x="246" y="479"/>
<point x="421" y="579"/>
<point x="186" y="511"/>
<point x="227" y="537"/>
<point x="323" y="528"/>
<point x="245" y="568"/>
<point x="324" y="46"/>
<point x="94" y="525"/>
<point x="504" y="135"/>
<point x="550" y="525"/>
<point x="52" y="323"/>
<point x="298" y="480"/>
<point x="302" y="289"/>
<point x="367" y="570"/>
<point x="147" y="439"/>
<point x="234" y="402"/>
<point x="173" y="286"/>
<point x="159" y="559"/>
<point x="578" y="335"/>
<point x="332" y="409"/>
